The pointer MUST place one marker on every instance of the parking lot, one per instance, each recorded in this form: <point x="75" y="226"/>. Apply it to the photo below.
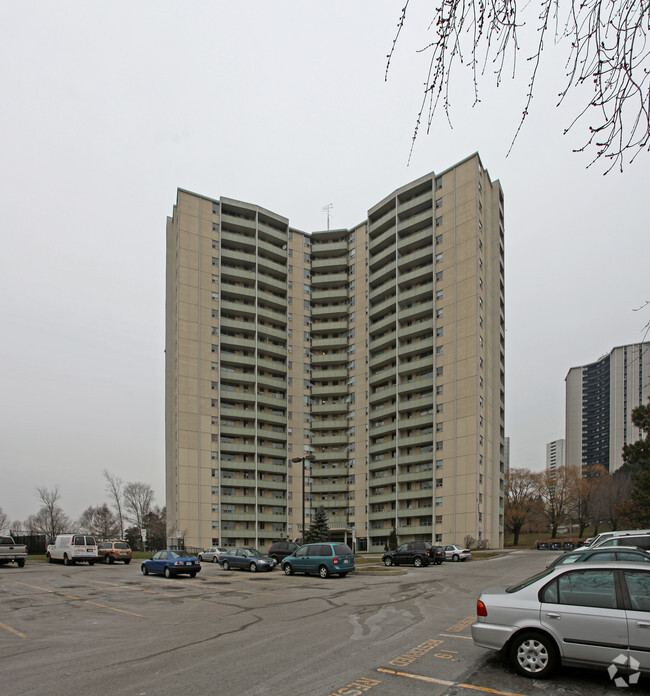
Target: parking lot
<point x="108" y="629"/>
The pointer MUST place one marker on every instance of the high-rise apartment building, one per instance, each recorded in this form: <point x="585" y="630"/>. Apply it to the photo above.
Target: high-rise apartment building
<point x="600" y="398"/>
<point x="358" y="369"/>
<point x="555" y="458"/>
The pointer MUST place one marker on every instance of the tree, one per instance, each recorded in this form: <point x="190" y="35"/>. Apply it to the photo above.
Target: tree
<point x="99" y="521"/>
<point x="155" y="522"/>
<point x="392" y="540"/>
<point x="636" y="458"/>
<point x="521" y="493"/>
<point x="555" y="492"/>
<point x="4" y="521"/>
<point x="319" y="529"/>
<point x="581" y="494"/>
<point x="114" y="487"/>
<point x="50" y="519"/>
<point x="606" y="58"/>
<point x="137" y="501"/>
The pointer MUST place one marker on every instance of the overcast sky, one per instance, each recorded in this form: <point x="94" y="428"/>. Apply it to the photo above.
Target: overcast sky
<point x="107" y="109"/>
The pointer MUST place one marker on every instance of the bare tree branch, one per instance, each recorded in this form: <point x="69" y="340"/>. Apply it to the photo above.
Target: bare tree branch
<point x="608" y="60"/>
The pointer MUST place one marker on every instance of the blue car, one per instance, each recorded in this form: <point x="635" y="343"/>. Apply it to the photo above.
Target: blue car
<point x="171" y="562"/>
<point x="322" y="558"/>
<point x="248" y="558"/>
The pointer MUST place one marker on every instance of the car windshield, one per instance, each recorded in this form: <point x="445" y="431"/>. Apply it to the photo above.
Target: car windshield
<point x="530" y="580"/>
<point x="254" y="553"/>
<point x="181" y="554"/>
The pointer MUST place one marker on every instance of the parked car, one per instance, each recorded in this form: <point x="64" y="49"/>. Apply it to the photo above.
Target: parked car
<point x="586" y="615"/>
<point x="246" y="557"/>
<point x="602" y="555"/>
<point x="640" y="540"/>
<point x="322" y="558"/>
<point x="172" y="562"/>
<point x="453" y="552"/>
<point x="111" y="551"/>
<point x="10" y="551"/>
<point x="419" y="553"/>
<point x="71" y="548"/>
<point x="281" y="549"/>
<point x="604" y="536"/>
<point x="212" y="554"/>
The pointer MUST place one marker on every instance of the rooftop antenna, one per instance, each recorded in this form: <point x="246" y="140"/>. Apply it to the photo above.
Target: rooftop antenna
<point x="328" y="211"/>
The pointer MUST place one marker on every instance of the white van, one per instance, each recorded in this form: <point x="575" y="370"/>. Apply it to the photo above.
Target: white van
<point x="71" y="548"/>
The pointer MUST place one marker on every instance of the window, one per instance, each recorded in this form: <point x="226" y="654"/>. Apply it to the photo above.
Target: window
<point x="439" y="294"/>
<point x="439" y="276"/>
<point x="439" y="331"/>
<point x="438" y="202"/>
<point x="439" y="313"/>
<point x="439" y="350"/>
<point x="439" y="221"/>
<point x="438" y="239"/>
<point x="438" y="183"/>
<point x="439" y="258"/>
<point x="439" y="371"/>
<point x="440" y="389"/>
<point x="638" y="585"/>
<point x="586" y="588"/>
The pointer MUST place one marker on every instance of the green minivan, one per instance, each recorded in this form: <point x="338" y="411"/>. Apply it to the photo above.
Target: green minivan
<point x="331" y="558"/>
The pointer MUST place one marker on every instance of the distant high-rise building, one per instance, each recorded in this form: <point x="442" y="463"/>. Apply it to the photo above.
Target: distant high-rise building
<point x="362" y="369"/>
<point x="555" y="455"/>
<point x="600" y="398"/>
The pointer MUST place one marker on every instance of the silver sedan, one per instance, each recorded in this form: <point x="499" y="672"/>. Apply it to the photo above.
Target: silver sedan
<point x="588" y="615"/>
<point x="211" y="554"/>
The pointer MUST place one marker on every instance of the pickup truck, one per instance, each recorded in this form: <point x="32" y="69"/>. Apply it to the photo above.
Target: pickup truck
<point x="12" y="552"/>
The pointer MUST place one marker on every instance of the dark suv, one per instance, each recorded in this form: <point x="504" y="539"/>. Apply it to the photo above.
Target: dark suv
<point x="281" y="549"/>
<point x="419" y="553"/>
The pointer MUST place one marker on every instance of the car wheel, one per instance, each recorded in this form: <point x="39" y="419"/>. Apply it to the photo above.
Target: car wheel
<point x="66" y="560"/>
<point x="49" y="558"/>
<point x="533" y="655"/>
<point x="20" y="562"/>
<point x="215" y="559"/>
<point x="438" y="562"/>
<point x="455" y="558"/>
<point x="192" y="573"/>
<point x="144" y="569"/>
<point x="226" y="565"/>
<point x="253" y="567"/>
<point x="417" y="562"/>
<point x="323" y="572"/>
<point x="342" y="575"/>
<point x="91" y="563"/>
<point x="127" y="561"/>
<point x="111" y="560"/>
<point x="168" y="573"/>
<point x="200" y="557"/>
<point x="388" y="561"/>
<point x="288" y="569"/>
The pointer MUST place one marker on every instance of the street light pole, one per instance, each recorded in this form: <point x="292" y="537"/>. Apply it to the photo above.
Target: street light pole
<point x="302" y="460"/>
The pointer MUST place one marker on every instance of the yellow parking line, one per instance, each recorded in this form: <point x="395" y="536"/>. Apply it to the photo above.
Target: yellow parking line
<point x="455" y="635"/>
<point x="121" y="611"/>
<point x="86" y="601"/>
<point x="431" y="680"/>
<point x="444" y="682"/>
<point x="12" y="630"/>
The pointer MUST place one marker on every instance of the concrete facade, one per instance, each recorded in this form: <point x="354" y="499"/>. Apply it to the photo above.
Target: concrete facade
<point x="375" y="351"/>
<point x="600" y="398"/>
<point x="555" y="455"/>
